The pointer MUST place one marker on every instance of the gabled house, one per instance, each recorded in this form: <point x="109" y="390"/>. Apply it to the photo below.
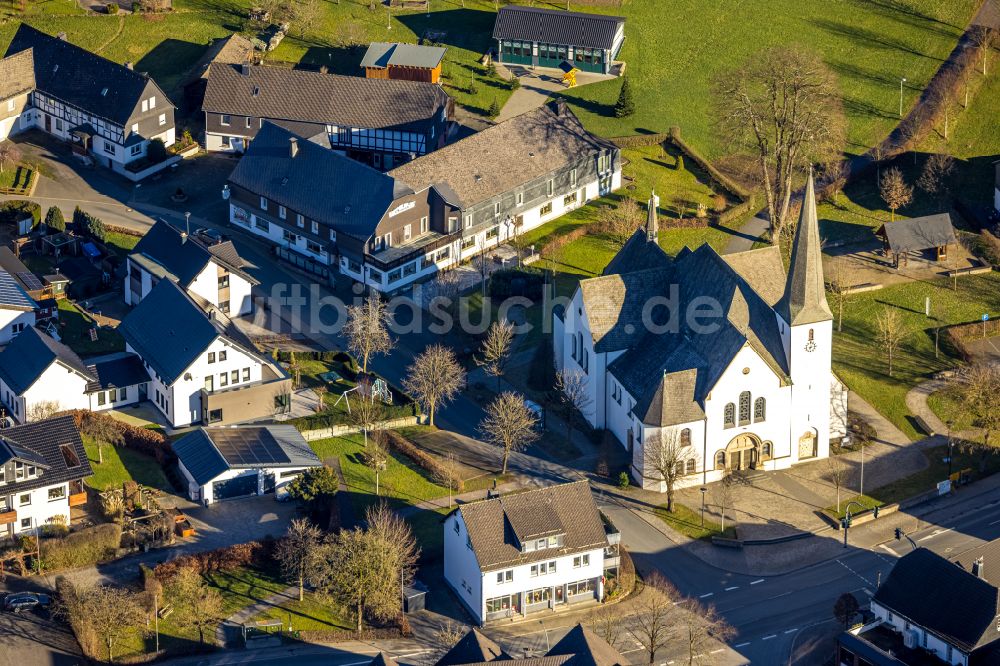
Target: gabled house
<point x="215" y="273"/>
<point x="380" y="122"/>
<point x="539" y="37"/>
<point x="17" y="309"/>
<point x="203" y="368"/>
<point x="473" y="648"/>
<point x="42" y="468"/>
<point x="105" y="110"/>
<point x="517" y="554"/>
<point x="579" y="647"/>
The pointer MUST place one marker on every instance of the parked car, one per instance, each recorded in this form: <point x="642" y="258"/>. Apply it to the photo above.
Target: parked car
<point x="20" y="601"/>
<point x="208" y="236"/>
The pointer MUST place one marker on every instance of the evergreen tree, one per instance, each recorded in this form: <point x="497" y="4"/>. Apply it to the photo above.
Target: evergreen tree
<point x="494" y="109"/>
<point x="625" y="106"/>
<point x="54" y="219"/>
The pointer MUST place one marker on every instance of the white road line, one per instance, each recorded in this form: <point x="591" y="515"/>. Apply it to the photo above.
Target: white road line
<point x="890" y="550"/>
<point x="934" y="534"/>
<point x="995" y="522"/>
<point x="869" y="592"/>
<point x="742" y="644"/>
<point x="706" y="595"/>
<point x="716" y="651"/>
<point x="867" y="582"/>
<point x="792" y="630"/>
<point x="767" y="638"/>
<point x="734" y="587"/>
<point x="759" y="580"/>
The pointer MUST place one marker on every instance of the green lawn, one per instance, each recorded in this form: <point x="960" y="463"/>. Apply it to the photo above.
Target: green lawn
<point x="688" y="522"/>
<point x="123" y="464"/>
<point x="16" y="177"/>
<point x="74" y="329"/>
<point x="121" y="244"/>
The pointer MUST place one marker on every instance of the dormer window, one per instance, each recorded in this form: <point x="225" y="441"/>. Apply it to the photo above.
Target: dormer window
<point x="69" y="455"/>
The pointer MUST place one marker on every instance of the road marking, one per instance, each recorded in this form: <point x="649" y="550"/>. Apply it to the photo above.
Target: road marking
<point x="894" y="553"/>
<point x="742" y="644"/>
<point x="767" y="638"/>
<point x="759" y="580"/>
<point x="869" y="592"/>
<point x="867" y="582"/>
<point x="734" y="587"/>
<point x="934" y="534"/>
<point x="706" y="595"/>
<point x="792" y="630"/>
<point x="995" y="522"/>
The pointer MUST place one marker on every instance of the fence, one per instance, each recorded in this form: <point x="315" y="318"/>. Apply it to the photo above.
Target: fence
<point x="345" y="429"/>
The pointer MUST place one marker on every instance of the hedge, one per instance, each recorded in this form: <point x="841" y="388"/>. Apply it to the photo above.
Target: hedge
<point x="228" y="558"/>
<point x="508" y="282"/>
<point x="423" y="459"/>
<point x="639" y="140"/>
<point x="150" y="442"/>
<point x="12" y="211"/>
<point x="331" y="419"/>
<point x="721" y="178"/>
<point x="92" y="226"/>
<point x="77" y="549"/>
<point x="736" y="212"/>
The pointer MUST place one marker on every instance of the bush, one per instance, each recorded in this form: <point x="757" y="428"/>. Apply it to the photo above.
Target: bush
<point x="679" y="163"/>
<point x="515" y="82"/>
<point x="54" y="219"/>
<point x="528" y="282"/>
<point x="494" y="109"/>
<point x="228" y="558"/>
<point x="12" y="211"/>
<point x="719" y="204"/>
<point x="990" y="247"/>
<point x="736" y="212"/>
<point x="623" y="480"/>
<point x="112" y="9"/>
<point x="150" y="442"/>
<point x="87" y="546"/>
<point x="156" y="151"/>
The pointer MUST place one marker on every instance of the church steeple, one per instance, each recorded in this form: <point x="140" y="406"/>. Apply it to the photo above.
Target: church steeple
<point x="804" y="301"/>
<point x="652" y="226"/>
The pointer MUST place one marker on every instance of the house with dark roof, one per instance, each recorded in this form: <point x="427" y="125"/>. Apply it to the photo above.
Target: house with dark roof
<point x="42" y="468"/>
<point x="474" y="647"/>
<point x="933" y="608"/>
<point x="215" y="273"/>
<point x="226" y="463"/>
<point x="406" y="62"/>
<point x="202" y="367"/>
<point x="388" y="230"/>
<point x="714" y="363"/>
<point x="579" y="647"/>
<point x="104" y="110"/>
<point x="911" y="237"/>
<point x="518" y="554"/>
<point x="548" y="37"/>
<point x="17" y="309"/>
<point x="381" y="122"/>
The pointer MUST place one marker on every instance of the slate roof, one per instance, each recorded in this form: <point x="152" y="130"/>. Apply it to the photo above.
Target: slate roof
<point x="763" y="270"/>
<point x="77" y="76"/>
<point x="939" y="596"/>
<point x="383" y="659"/>
<point x="557" y="27"/>
<point x="383" y="54"/>
<point x="30" y="354"/>
<point x="479" y="166"/>
<point x="587" y="648"/>
<point x="13" y="296"/>
<point x="804" y="300"/>
<point x="208" y="452"/>
<point x="115" y="371"/>
<point x="44" y="439"/>
<point x="614" y="305"/>
<point x="473" y="647"/>
<point x="919" y="233"/>
<point x="17" y="74"/>
<point x="638" y="254"/>
<point x="232" y="50"/>
<point x="291" y="94"/>
<point x="165" y="252"/>
<point x="567" y="509"/>
<point x="319" y="183"/>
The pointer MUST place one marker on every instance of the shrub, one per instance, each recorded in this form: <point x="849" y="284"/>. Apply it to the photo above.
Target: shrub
<point x="87" y="546"/>
<point x="737" y="211"/>
<point x="719" y="203"/>
<point x="625" y="106"/>
<point x="491" y="70"/>
<point x="494" y="109"/>
<point x="150" y="442"/>
<point x="228" y="558"/>
<point x="528" y="282"/>
<point x="423" y="459"/>
<point x="156" y="151"/>
<point x="623" y="480"/>
<point x="679" y="163"/>
<point x="54" y="219"/>
<point x="515" y="82"/>
<point x="112" y="9"/>
<point x="12" y="211"/>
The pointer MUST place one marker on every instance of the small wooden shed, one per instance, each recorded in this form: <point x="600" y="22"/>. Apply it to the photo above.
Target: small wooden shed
<point x="918" y="234"/>
<point x="408" y="62"/>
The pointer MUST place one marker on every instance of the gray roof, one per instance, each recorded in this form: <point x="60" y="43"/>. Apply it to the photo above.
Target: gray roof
<point x="567" y="509"/>
<point x="638" y="254"/>
<point x="614" y="305"/>
<point x="763" y="270"/>
<point x="30" y="354"/>
<point x="804" y="300"/>
<point x="208" y="452"/>
<point x="480" y="166"/>
<point x="383" y="54"/>
<point x="77" y="76"/>
<point x="290" y="94"/>
<point x="474" y="647"/>
<point x="17" y="75"/>
<point x="165" y="252"/>
<point x="116" y="371"/>
<point x="587" y="648"/>
<point x="12" y="295"/>
<point x="232" y="50"/>
<point x="919" y="233"/>
<point x="319" y="183"/>
<point x="43" y="440"/>
<point x="579" y="647"/>
<point x="557" y="27"/>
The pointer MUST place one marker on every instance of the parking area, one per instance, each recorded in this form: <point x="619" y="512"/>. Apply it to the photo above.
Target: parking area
<point x="35" y="638"/>
<point x="985" y="349"/>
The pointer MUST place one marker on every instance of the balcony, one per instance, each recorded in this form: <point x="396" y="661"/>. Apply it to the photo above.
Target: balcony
<point x="8" y="517"/>
<point x="78" y="499"/>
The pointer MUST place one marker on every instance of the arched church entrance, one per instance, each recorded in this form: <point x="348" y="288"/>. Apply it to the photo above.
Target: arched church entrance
<point x="808" y="445"/>
<point x="743" y="452"/>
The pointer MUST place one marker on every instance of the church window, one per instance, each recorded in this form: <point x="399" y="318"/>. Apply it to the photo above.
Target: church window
<point x="730" y="415"/>
<point x="686" y="437"/>
<point x="765" y="450"/>
<point x="691" y="466"/>
<point x="679" y="469"/>
<point x="574" y="348"/>
<point x="810" y="335"/>
<point x="744" y="408"/>
<point x="759" y="410"/>
<point x="720" y="460"/>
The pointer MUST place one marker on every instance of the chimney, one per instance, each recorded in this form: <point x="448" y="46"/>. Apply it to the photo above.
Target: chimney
<point x="293" y="146"/>
<point x="245" y="69"/>
<point x="129" y="65"/>
<point x="978" y="570"/>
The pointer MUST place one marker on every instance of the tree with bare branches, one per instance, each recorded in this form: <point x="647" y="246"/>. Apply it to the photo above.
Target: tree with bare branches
<point x="890" y="331"/>
<point x="701" y="628"/>
<point x="10" y="154"/>
<point x="608" y="622"/>
<point x="839" y="291"/>
<point x="495" y="349"/>
<point x="935" y="179"/>
<point x="104" y="431"/>
<point x="656" y="615"/>
<point x="978" y="389"/>
<point x="199" y="605"/>
<point x="784" y="106"/>
<point x="434" y="378"/>
<point x="320" y="392"/>
<point x="723" y="494"/>
<point x="620" y="222"/>
<point x="572" y="398"/>
<point x="666" y="456"/>
<point x="895" y="191"/>
<point x="984" y="38"/>
<point x="112" y="613"/>
<point x="43" y="409"/>
<point x="307" y="12"/>
<point x="509" y="425"/>
<point x="298" y="551"/>
<point x="837" y="473"/>
<point x="367" y="330"/>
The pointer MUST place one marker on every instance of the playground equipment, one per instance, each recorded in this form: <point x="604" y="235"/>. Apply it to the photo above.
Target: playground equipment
<point x="369" y="386"/>
<point x="569" y="74"/>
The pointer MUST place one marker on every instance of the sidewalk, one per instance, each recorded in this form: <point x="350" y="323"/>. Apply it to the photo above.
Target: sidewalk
<point x="916" y="402"/>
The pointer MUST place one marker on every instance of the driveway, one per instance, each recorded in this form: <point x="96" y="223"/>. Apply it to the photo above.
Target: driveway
<point x="537" y="85"/>
<point x="35" y="639"/>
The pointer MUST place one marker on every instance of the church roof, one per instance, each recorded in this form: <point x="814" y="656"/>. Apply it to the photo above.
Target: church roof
<point x="642" y="250"/>
<point x="762" y="269"/>
<point x="473" y="648"/>
<point x="804" y="300"/>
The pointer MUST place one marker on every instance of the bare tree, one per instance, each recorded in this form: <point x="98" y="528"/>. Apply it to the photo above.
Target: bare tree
<point x="10" y="153"/>
<point x="446" y="637"/>
<point x="495" y="349"/>
<point x="509" y="425"/>
<point x="783" y="104"/>
<point x="620" y="222"/>
<point x="321" y="392"/>
<point x="367" y="330"/>
<point x="895" y="191"/>
<point x="666" y="456"/>
<point x="43" y="409"/>
<point x="890" y="331"/>
<point x="434" y="378"/>
<point x="655" y="615"/>
<point x="307" y="12"/>
<point x="702" y="628"/>
<point x="297" y="552"/>
<point x="984" y="38"/>
<point x="723" y="494"/>
<point x="104" y="431"/>
<point x="113" y="613"/>
<point x="839" y="291"/>
<point x="845" y="608"/>
<point x="448" y="473"/>
<point x="199" y="605"/>
<point x="978" y="389"/>
<point x="573" y="397"/>
<point x="368" y="414"/>
<point x="936" y="176"/>
<point x="837" y="473"/>
<point x="376" y="454"/>
<point x="608" y="622"/>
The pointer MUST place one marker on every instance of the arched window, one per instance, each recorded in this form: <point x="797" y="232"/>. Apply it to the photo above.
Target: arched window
<point x="759" y="410"/>
<point x="810" y="335"/>
<point x="686" y="437"/>
<point x="730" y="415"/>
<point x="691" y="466"/>
<point x="680" y="468"/>
<point x="765" y="450"/>
<point x="745" y="408"/>
<point x="720" y="460"/>
<point x="573" y="355"/>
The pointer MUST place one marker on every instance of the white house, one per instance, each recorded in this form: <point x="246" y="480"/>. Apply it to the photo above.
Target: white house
<point x="711" y="363"/>
<point x="521" y="553"/>
<point x="202" y="367"/>
<point x="215" y="273"/>
<point x="17" y="309"/>
<point x="239" y="461"/>
<point x="42" y="467"/>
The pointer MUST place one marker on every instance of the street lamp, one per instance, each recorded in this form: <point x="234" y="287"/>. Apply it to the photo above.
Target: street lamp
<point x="901" y="82"/>
<point x="951" y="448"/>
<point x="703" y="491"/>
<point x="187" y="223"/>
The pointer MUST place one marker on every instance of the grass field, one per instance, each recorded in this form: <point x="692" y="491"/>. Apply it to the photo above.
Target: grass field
<point x="688" y="522"/>
<point x="17" y="177"/>
<point x="74" y="329"/>
<point x="122" y="464"/>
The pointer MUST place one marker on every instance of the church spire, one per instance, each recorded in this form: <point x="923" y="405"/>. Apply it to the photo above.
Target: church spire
<point x="652" y="227"/>
<point x="804" y="301"/>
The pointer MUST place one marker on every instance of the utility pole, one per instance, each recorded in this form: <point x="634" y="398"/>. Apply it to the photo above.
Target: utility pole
<point x="156" y="620"/>
<point x="901" y="82"/>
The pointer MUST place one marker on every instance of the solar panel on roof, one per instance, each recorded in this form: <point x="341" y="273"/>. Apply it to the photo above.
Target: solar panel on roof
<point x="248" y="447"/>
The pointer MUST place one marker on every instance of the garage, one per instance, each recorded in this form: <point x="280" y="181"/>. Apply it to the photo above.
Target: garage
<point x="241" y="486"/>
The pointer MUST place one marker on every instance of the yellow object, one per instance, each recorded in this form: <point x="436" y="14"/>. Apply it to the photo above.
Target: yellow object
<point x="569" y="78"/>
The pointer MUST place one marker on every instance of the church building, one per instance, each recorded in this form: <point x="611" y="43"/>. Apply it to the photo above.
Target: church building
<point x="705" y="363"/>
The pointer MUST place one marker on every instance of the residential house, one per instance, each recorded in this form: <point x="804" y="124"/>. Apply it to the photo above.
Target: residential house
<point x="579" y="647"/>
<point x="215" y="273"/>
<point x="232" y="50"/>
<point x="226" y="463"/>
<point x="42" y="468"/>
<point x="547" y="37"/>
<point x="203" y="368"/>
<point x="716" y="363"/>
<point x="42" y="293"/>
<point x="407" y="62"/>
<point x="474" y="647"/>
<point x="17" y="309"/>
<point x="105" y="110"/>
<point x="518" y="554"/>
<point x="389" y="230"/>
<point x="930" y="610"/>
<point x="378" y="121"/>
